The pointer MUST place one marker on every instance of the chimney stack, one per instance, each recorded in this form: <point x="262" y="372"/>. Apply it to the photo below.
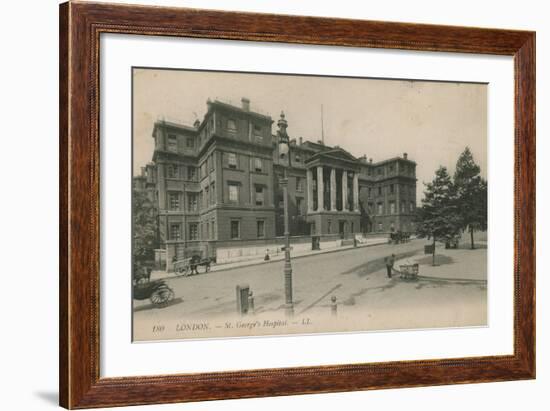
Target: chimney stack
<point x="245" y="104"/>
<point x="300" y="140"/>
<point x="405" y="156"/>
<point x="370" y="160"/>
<point x="197" y="123"/>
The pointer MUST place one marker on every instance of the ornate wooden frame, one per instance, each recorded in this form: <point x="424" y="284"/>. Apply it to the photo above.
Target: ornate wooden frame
<point x="80" y="27"/>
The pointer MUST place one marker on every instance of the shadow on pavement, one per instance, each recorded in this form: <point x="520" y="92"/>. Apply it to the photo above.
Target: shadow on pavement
<point x="439" y="260"/>
<point x="376" y="264"/>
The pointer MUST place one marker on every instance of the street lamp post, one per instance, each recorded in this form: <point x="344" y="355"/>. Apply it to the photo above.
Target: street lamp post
<point x="284" y="151"/>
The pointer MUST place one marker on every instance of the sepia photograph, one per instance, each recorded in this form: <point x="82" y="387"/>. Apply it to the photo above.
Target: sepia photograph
<point x="279" y="204"/>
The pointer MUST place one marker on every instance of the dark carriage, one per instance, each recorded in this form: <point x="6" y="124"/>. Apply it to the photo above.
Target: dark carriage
<point x="157" y="291"/>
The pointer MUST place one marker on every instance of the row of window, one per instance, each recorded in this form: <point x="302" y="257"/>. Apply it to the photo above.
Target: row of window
<point x="190" y="172"/>
<point x="234" y="189"/>
<point x="204" y="198"/>
<point x="379" y="171"/>
<point x="391" y="190"/>
<point x="233" y="162"/>
<point x="172" y="143"/>
<point x="208" y="230"/>
<point x="184" y="172"/>
<point x="235" y="229"/>
<point x="207" y="197"/>
<point x="392" y="210"/>
<point x="232" y="127"/>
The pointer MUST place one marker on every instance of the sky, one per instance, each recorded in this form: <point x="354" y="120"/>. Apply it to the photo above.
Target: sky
<point x="431" y="121"/>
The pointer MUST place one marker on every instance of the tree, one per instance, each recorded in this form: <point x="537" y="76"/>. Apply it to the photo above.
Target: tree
<point x="471" y="194"/>
<point x="144" y="226"/>
<point x="438" y="218"/>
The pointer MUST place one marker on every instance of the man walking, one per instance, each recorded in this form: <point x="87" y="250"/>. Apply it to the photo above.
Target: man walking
<point x="389" y="264"/>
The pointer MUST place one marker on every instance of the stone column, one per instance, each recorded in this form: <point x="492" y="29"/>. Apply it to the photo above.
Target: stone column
<point x="309" y="174"/>
<point x="332" y="189"/>
<point x="345" y="190"/>
<point x="320" y="188"/>
<point x="356" y="191"/>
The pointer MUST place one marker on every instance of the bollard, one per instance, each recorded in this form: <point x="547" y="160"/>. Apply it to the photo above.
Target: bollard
<point x="333" y="306"/>
<point x="251" y="302"/>
<point x="242" y="291"/>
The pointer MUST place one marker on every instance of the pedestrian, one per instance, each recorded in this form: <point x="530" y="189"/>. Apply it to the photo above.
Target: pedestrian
<point x="389" y="264"/>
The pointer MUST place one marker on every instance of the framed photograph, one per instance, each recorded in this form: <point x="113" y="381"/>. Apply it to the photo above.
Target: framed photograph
<point x="258" y="205"/>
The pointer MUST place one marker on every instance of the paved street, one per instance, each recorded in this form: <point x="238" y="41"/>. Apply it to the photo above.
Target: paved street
<point x="452" y="294"/>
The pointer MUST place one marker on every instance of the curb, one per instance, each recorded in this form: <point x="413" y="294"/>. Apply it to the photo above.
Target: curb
<point x="456" y="280"/>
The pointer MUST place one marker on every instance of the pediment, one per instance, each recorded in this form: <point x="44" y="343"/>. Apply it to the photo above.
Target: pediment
<point x="335" y="154"/>
<point x="340" y="153"/>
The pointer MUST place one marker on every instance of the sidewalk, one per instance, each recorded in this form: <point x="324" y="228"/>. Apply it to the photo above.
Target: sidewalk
<point x="281" y="256"/>
<point x="460" y="265"/>
<point x="155" y="275"/>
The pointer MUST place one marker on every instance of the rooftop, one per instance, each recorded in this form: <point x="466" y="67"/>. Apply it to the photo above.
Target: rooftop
<point x="316" y="147"/>
<point x="244" y="108"/>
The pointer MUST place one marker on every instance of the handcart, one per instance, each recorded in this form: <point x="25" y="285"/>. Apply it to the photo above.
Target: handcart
<point x="408" y="271"/>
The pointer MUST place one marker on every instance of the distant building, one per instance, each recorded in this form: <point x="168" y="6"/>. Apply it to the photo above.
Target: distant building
<point x="216" y="184"/>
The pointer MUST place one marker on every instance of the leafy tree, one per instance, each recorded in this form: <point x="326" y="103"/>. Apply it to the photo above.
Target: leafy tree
<point x="438" y="218"/>
<point x="471" y="194"/>
<point x="145" y="227"/>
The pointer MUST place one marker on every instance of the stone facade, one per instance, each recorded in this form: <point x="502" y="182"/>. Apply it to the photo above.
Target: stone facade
<point x="217" y="183"/>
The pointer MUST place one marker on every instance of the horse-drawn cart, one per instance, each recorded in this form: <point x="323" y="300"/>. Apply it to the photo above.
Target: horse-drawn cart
<point x="399" y="237"/>
<point x="190" y="266"/>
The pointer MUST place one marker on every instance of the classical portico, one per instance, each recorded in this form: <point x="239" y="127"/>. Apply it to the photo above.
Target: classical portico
<point x="333" y="193"/>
